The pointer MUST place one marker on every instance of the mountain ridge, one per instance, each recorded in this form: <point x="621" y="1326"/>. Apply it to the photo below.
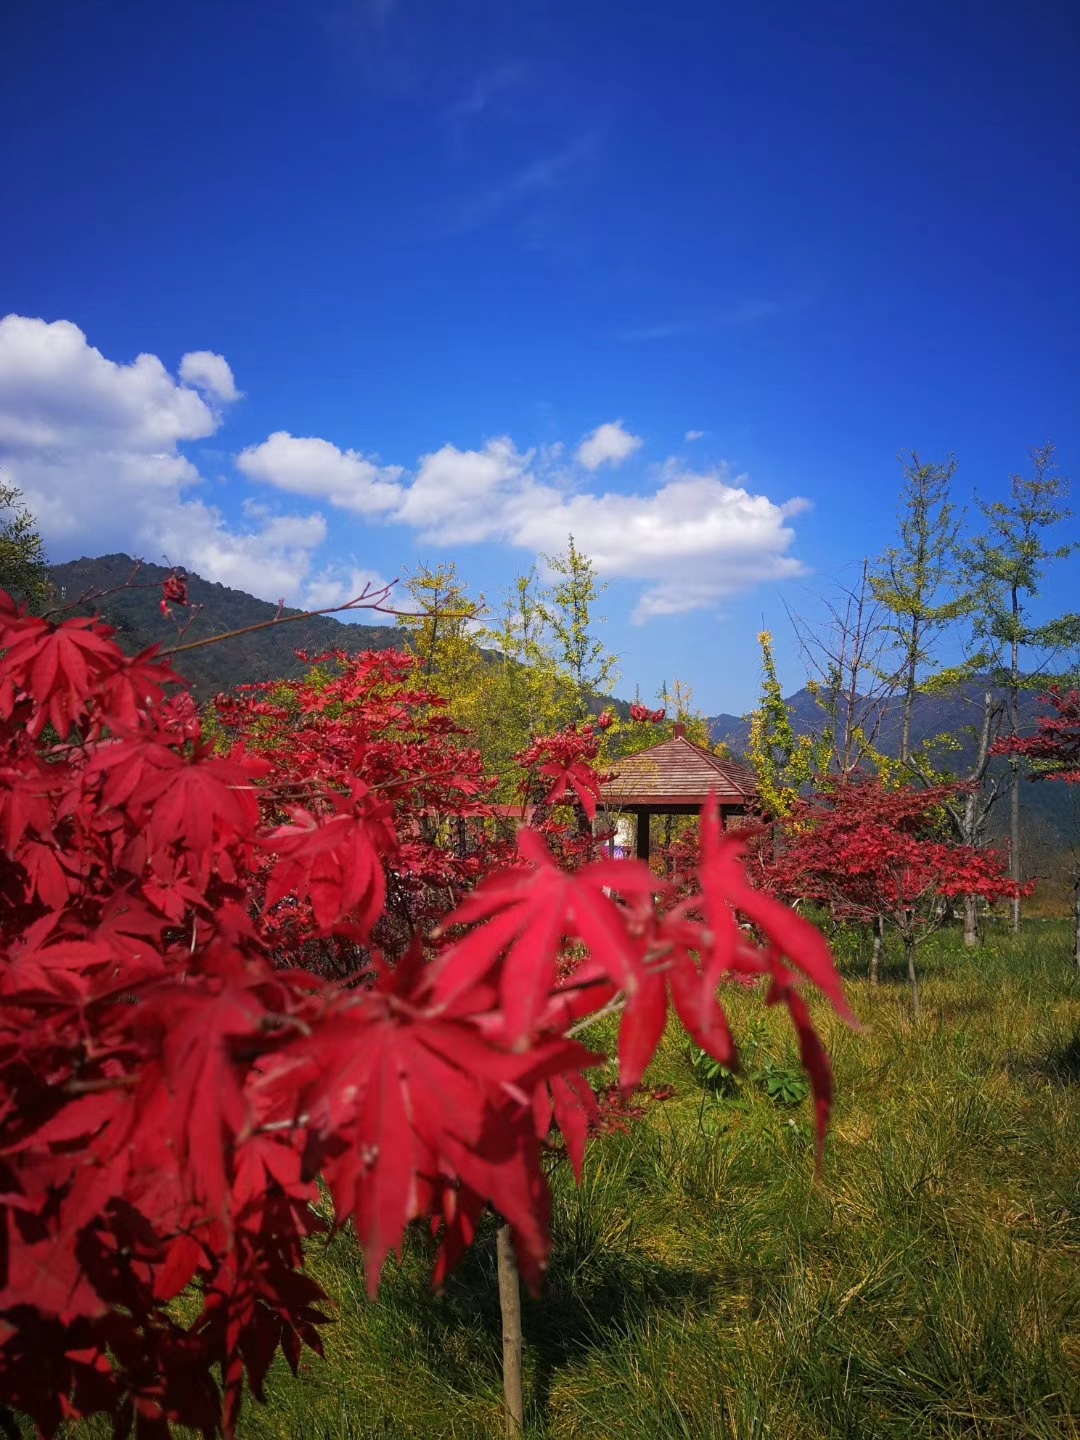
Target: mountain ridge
<point x="133" y="609"/>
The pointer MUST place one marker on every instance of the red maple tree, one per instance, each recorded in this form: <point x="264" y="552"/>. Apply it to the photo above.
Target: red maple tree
<point x="1055" y="745"/>
<point x="1054" y="753"/>
<point x="177" y="1077"/>
<point x="869" y="853"/>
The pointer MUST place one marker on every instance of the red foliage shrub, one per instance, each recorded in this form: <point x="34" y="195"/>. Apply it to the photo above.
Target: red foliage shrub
<point x="172" y="1088"/>
<point x="864" y="851"/>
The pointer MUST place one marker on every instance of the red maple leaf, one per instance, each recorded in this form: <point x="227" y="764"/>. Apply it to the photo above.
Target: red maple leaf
<point x="529" y="911"/>
<point x="58" y="666"/>
<point x="337" y="864"/>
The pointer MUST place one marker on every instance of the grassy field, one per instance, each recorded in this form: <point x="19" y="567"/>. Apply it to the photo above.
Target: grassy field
<point x="704" y="1285"/>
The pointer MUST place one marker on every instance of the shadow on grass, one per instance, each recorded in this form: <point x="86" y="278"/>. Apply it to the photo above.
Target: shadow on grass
<point x="574" y="1316"/>
<point x="593" y="1291"/>
<point x="1061" y="1065"/>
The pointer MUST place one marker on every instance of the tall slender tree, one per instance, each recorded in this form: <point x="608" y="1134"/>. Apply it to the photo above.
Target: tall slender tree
<point x="848" y="656"/>
<point x="520" y="692"/>
<point x="569" y="610"/>
<point x="915" y="580"/>
<point x="1006" y="565"/>
<point x="784" y="761"/>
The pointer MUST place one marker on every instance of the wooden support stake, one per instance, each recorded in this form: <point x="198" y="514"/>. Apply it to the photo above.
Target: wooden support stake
<point x="510" y="1308"/>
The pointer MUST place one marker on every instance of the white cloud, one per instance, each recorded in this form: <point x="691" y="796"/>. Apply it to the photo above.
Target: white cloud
<point x="56" y="389"/>
<point x="694" y="434"/>
<point x="312" y="467"/>
<point x="270" y="561"/>
<point x="335" y="586"/>
<point x="209" y="372"/>
<point x="695" y="539"/>
<point x="539" y="180"/>
<point x="460" y="496"/>
<point x="95" y="448"/>
<point x="608" y="444"/>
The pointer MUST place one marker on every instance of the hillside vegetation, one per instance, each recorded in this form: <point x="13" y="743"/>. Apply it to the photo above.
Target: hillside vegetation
<point x="133" y="610"/>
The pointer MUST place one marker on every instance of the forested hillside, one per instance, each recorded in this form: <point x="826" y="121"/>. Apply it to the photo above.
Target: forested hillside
<point x="134" y="610"/>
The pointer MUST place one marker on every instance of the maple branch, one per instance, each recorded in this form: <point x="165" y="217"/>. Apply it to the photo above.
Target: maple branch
<point x="275" y="1127"/>
<point x="615" y="1006"/>
<point x="271" y="1023"/>
<point x="91" y="594"/>
<point x="368" y="599"/>
<point x="193" y="613"/>
<point x="617" y="1003"/>
<point x="101" y="1086"/>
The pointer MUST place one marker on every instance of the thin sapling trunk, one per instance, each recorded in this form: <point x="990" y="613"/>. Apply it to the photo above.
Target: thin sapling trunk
<point x="512" y="1344"/>
<point x="909" y="951"/>
<point x="875" y="953"/>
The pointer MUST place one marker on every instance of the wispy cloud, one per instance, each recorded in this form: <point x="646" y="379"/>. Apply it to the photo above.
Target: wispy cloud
<point x="663" y="330"/>
<point x="540" y="179"/>
<point x="487" y="92"/>
<point x="748" y="312"/>
<point x="712" y="318"/>
<point x="371" y="39"/>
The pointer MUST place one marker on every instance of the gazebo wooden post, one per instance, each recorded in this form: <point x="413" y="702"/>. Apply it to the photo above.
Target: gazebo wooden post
<point x="643" y="819"/>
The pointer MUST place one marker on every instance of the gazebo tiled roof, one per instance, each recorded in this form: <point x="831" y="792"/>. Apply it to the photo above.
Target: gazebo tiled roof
<point x="678" y="773"/>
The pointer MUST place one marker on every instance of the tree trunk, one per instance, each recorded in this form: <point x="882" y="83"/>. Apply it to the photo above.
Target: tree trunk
<point x="875" y="953"/>
<point x="909" y="951"/>
<point x="512" y="1346"/>
<point x="971" y="921"/>
<point x="1014" y="843"/>
<point x="970" y="821"/>
<point x="910" y="688"/>
<point x="1014" y="731"/>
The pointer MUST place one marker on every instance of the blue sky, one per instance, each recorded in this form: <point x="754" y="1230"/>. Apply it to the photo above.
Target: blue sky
<point x="452" y="278"/>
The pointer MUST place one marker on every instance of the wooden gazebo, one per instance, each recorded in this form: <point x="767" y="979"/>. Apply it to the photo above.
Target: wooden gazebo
<point x="676" y="778"/>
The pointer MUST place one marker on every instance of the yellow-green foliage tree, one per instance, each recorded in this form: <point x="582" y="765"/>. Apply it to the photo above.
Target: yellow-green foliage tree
<point x="916" y="581"/>
<point x="782" y="760"/>
<point x="525" y="670"/>
<point x="568" y="609"/>
<point x="440" y="629"/>
<point x="520" y="692"/>
<point x="24" y="572"/>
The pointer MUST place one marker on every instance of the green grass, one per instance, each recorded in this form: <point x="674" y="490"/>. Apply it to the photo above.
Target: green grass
<point x="704" y="1285"/>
